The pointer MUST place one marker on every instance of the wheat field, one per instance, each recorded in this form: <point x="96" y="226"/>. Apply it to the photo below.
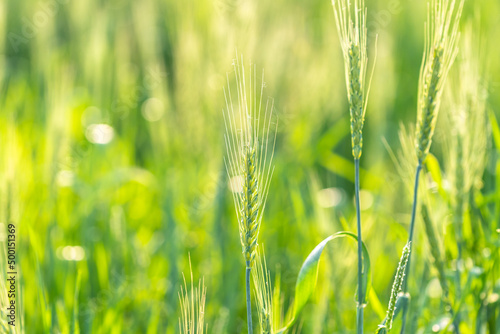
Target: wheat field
<point x="144" y="189"/>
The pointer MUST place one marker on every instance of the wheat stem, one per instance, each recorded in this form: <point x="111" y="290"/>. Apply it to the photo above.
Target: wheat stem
<point x="249" y="301"/>
<point x="359" y="321"/>
<point x="458" y="221"/>
<point x="410" y="242"/>
<point x="350" y="18"/>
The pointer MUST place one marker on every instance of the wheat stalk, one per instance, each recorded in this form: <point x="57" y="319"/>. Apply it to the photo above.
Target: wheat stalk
<point x="441" y="48"/>
<point x="404" y="161"/>
<point x="250" y="149"/>
<point x="352" y="32"/>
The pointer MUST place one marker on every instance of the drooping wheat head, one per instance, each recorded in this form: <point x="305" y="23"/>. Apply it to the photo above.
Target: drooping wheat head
<point x="250" y="145"/>
<point x="353" y="40"/>
<point x="263" y="294"/>
<point x="441" y="48"/>
<point x="192" y="302"/>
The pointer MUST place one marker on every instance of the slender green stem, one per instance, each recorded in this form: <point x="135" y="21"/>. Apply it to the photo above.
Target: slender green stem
<point x="359" y="319"/>
<point x="249" y="301"/>
<point x="459" y="212"/>
<point x="456" y="322"/>
<point x="458" y="291"/>
<point x="410" y="241"/>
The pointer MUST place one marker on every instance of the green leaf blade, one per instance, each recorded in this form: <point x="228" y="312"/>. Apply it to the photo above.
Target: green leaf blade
<point x="308" y="275"/>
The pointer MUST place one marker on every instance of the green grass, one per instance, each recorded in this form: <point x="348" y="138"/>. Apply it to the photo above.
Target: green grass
<point x="156" y="190"/>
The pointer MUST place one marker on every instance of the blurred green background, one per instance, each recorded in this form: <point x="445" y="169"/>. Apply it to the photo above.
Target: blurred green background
<point x="111" y="148"/>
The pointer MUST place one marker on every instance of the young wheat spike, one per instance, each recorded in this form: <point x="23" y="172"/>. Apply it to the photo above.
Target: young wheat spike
<point x="250" y="149"/>
<point x="441" y="38"/>
<point x="397" y="286"/>
<point x="353" y="40"/>
<point x="192" y="320"/>
<point x="263" y="294"/>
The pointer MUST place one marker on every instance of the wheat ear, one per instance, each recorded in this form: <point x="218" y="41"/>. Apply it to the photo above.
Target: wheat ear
<point x="441" y="48"/>
<point x="397" y="285"/>
<point x="352" y="32"/>
<point x="250" y="139"/>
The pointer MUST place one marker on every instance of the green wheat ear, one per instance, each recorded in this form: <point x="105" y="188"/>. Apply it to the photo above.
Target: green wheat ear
<point x="397" y="286"/>
<point x="353" y="40"/>
<point x="440" y="52"/>
<point x="250" y="144"/>
<point x="250" y="207"/>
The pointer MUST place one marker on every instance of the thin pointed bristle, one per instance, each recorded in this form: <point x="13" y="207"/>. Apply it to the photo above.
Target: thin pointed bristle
<point x="192" y="305"/>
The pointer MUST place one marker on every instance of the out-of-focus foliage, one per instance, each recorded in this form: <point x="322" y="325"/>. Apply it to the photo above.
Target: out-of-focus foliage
<point x="111" y="163"/>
